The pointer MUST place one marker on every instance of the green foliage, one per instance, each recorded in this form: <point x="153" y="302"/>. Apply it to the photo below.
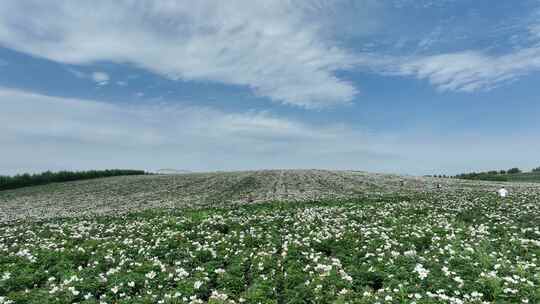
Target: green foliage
<point x="514" y="171"/>
<point x="400" y="249"/>
<point x="510" y="175"/>
<point x="488" y="176"/>
<point x="24" y="180"/>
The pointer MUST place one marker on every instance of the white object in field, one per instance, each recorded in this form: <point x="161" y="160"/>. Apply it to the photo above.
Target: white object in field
<point x="502" y="192"/>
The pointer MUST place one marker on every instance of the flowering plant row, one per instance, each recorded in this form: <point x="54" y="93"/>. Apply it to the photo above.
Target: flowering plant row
<point x="435" y="247"/>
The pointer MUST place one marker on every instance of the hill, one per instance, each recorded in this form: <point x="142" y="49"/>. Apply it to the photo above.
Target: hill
<point x="116" y="195"/>
<point x="366" y="238"/>
<point x="277" y="236"/>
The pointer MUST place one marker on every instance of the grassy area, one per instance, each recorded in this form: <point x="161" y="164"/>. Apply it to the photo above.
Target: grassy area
<point x="447" y="247"/>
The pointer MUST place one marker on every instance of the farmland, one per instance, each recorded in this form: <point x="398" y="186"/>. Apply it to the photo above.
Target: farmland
<point x="281" y="236"/>
<point x="123" y="194"/>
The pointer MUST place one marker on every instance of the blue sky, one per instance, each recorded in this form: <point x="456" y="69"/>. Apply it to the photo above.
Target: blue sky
<point x="401" y="86"/>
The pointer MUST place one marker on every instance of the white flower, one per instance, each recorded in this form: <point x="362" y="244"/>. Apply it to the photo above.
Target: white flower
<point x="152" y="274"/>
<point x="422" y="272"/>
<point x="219" y="271"/>
<point x="74" y="291"/>
<point x="4" y="300"/>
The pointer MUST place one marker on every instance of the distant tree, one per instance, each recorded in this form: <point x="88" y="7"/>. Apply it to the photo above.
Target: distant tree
<point x="536" y="169"/>
<point x="18" y="181"/>
<point x="502" y="172"/>
<point x="514" y="171"/>
<point x="493" y="172"/>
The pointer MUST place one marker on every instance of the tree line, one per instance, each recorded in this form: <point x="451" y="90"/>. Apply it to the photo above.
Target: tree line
<point x="493" y="175"/>
<point x="24" y="180"/>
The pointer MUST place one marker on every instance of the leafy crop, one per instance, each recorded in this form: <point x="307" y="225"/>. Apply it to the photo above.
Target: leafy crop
<point x="461" y="246"/>
<point x="117" y="195"/>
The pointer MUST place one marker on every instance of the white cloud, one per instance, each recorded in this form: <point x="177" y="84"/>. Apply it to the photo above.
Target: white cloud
<point x="52" y="133"/>
<point x="96" y="122"/>
<point x="280" y="49"/>
<point x="72" y="133"/>
<point x="511" y="51"/>
<point x="100" y="78"/>
<point x="274" y="47"/>
<point x="77" y="73"/>
<point x="471" y="71"/>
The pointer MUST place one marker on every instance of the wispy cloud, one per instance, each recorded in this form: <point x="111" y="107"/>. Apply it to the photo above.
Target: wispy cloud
<point x="101" y="78"/>
<point x="280" y="49"/>
<point x="77" y="73"/>
<point x="81" y="134"/>
<point x="273" y="47"/>
<point x="200" y="138"/>
<point x="96" y="122"/>
<point x="471" y="70"/>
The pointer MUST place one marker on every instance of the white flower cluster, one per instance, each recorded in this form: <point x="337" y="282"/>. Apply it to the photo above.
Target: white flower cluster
<point x="430" y="247"/>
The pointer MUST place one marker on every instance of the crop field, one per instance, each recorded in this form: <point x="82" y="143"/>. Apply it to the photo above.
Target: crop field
<point x="122" y="194"/>
<point x="271" y="237"/>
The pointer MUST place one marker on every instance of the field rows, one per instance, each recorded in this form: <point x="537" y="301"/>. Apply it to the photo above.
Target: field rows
<point x="438" y="247"/>
<point x="129" y="193"/>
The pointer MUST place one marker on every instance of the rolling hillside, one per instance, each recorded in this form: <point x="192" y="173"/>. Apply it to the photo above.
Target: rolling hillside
<point x="131" y="193"/>
<point x="319" y="237"/>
